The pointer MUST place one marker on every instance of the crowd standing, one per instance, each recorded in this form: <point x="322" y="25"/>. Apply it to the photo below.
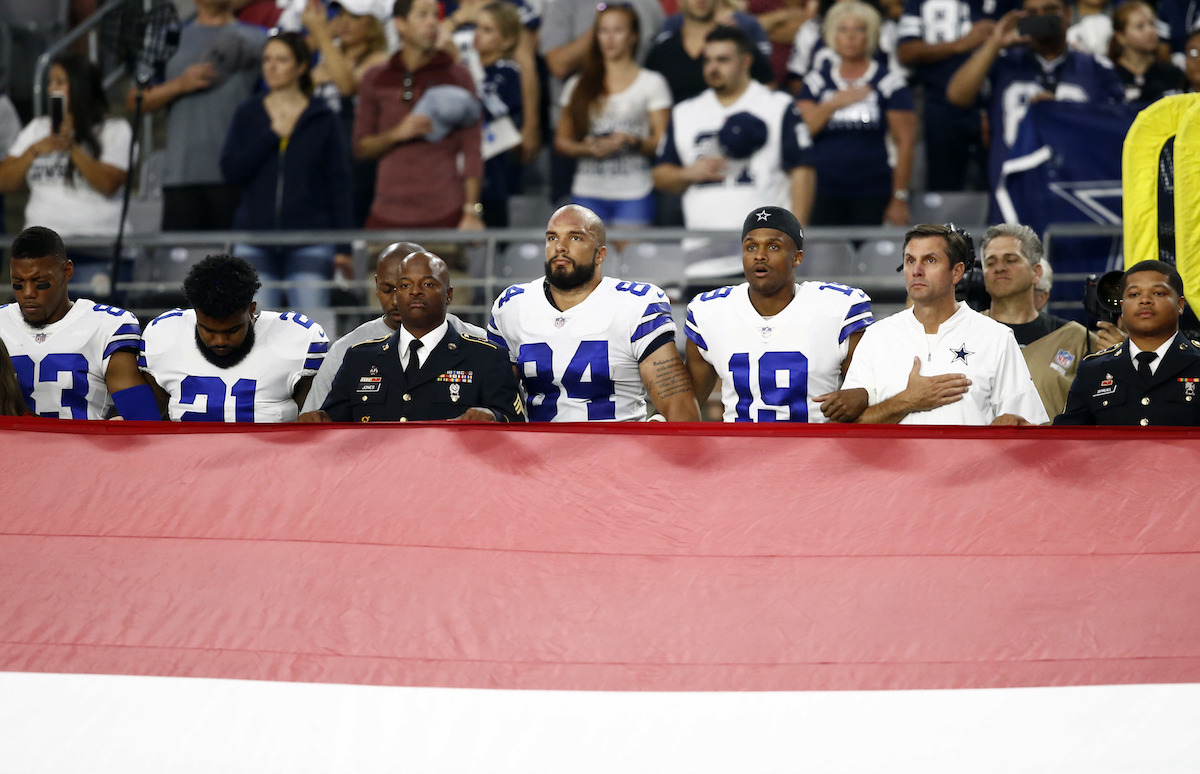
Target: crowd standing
<point x="327" y="126"/>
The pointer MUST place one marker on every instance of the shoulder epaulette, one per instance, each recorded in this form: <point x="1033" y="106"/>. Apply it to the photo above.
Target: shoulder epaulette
<point x="1115" y="349"/>
<point x="379" y="340"/>
<point x="472" y="338"/>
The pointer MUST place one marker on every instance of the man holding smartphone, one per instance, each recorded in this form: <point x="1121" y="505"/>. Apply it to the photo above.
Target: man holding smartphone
<point x="1026" y="60"/>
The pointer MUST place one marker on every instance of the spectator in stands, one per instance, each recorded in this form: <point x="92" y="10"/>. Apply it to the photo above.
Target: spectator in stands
<point x="421" y="182"/>
<point x="497" y="30"/>
<point x="74" y="177"/>
<point x="1192" y="64"/>
<point x="810" y="51"/>
<point x="1153" y="378"/>
<point x="287" y="153"/>
<point x="460" y="25"/>
<point x="679" y="47"/>
<point x="614" y="114"/>
<point x="567" y="33"/>
<point x="935" y="39"/>
<point x="939" y="362"/>
<point x="781" y="20"/>
<point x="213" y="71"/>
<point x="1178" y="22"/>
<point x="1134" y="52"/>
<point x="737" y="146"/>
<point x="347" y="45"/>
<point x="1092" y="31"/>
<point x="1021" y="69"/>
<point x="12" y="404"/>
<point x="852" y="107"/>
<point x="387" y="284"/>
<point x="1053" y="347"/>
<point x="10" y="127"/>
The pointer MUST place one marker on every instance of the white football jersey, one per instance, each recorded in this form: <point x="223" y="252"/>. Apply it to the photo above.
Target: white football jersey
<point x="763" y="178"/>
<point x="770" y="369"/>
<point x="581" y="365"/>
<point x="287" y="347"/>
<point x="61" y="366"/>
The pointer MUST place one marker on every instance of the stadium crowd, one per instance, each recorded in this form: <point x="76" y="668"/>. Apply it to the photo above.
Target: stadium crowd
<point x="684" y="119"/>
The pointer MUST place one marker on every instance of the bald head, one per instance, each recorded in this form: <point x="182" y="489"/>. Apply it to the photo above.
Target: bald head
<point x="397" y="250"/>
<point x="590" y="221"/>
<point x="424" y="263"/>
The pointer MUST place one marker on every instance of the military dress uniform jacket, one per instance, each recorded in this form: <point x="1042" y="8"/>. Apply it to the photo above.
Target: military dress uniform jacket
<point x="460" y="373"/>
<point x="1108" y="390"/>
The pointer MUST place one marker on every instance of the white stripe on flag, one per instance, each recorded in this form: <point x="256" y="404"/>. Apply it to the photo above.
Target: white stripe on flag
<point x="103" y="723"/>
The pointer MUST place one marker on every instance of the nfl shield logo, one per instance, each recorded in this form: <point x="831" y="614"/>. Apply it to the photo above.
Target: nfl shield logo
<point x="39" y="338"/>
<point x="766" y="331"/>
<point x="560" y="322"/>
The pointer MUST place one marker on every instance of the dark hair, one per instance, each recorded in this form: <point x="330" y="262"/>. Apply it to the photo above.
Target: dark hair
<point x="1162" y="267"/>
<point x="725" y="34"/>
<point x="37" y="242"/>
<point x="221" y="285"/>
<point x="88" y="103"/>
<point x="301" y="53"/>
<point x="402" y="8"/>
<point x="589" y="89"/>
<point x="12" y="403"/>
<point x="958" y="243"/>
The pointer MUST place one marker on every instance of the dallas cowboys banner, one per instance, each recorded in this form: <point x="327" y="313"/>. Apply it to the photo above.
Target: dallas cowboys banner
<point x="633" y="598"/>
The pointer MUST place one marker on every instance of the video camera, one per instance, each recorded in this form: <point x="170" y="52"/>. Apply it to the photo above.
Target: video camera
<point x="1102" y="296"/>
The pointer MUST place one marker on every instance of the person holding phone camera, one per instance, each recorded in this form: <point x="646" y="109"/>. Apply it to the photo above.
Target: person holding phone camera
<point x="74" y="161"/>
<point x="1026" y="60"/>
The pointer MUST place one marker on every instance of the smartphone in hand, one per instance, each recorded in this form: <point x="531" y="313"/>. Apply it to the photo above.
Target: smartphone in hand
<point x="58" y="103"/>
<point x="1040" y="26"/>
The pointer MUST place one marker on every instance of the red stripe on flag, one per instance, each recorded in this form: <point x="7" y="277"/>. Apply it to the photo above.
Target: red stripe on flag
<point x="706" y="559"/>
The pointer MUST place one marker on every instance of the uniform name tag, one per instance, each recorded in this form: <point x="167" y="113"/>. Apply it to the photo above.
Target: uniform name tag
<point x="1100" y="393"/>
<point x="371" y="387"/>
<point x="459" y="377"/>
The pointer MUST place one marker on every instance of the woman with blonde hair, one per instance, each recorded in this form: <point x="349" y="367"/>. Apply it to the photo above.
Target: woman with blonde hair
<point x="853" y="105"/>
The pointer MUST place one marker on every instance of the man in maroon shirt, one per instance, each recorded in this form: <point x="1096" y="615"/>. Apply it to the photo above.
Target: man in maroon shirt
<point x="421" y="183"/>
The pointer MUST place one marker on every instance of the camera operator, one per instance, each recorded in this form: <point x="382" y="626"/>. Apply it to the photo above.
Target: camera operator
<point x="1154" y="378"/>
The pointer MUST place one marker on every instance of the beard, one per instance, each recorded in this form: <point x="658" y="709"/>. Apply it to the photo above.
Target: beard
<point x="233" y="358"/>
<point x="568" y="279"/>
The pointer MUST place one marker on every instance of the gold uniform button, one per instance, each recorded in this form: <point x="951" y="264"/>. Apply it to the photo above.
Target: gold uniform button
<point x="406" y="397"/>
<point x="364" y="398"/>
<point x="405" y="419"/>
<point x="365" y="419"/>
<point x="1145" y="422"/>
<point x="1145" y="401"/>
<point x="1188" y="399"/>
<point x="1105" y="403"/>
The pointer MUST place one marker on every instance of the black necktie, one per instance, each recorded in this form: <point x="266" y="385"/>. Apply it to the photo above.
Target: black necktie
<point x="1144" y="360"/>
<point x="414" y="363"/>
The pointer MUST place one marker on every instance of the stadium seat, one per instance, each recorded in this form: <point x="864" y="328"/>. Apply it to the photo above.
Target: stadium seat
<point x="827" y="260"/>
<point x="521" y="261"/>
<point x="963" y="208"/>
<point x="878" y="258"/>
<point x="659" y="262"/>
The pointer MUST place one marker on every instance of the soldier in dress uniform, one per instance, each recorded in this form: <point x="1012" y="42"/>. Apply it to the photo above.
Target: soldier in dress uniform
<point x="1154" y="377"/>
<point x="425" y="370"/>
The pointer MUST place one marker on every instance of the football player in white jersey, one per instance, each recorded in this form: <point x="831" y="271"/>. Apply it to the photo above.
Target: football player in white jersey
<point x="222" y="360"/>
<point x="586" y="347"/>
<point x="74" y="359"/>
<point x="778" y="348"/>
<point x="737" y="145"/>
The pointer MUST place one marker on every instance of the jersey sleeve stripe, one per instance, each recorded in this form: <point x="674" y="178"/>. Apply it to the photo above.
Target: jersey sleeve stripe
<point x="313" y="363"/>
<point x="117" y="346"/>
<point x="696" y="338"/>
<point x="318" y="347"/>
<point x="858" y="309"/>
<point x="128" y="329"/>
<point x="647" y="328"/>
<point x="856" y="325"/>
<point x="658" y="308"/>
<point x="141" y="354"/>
